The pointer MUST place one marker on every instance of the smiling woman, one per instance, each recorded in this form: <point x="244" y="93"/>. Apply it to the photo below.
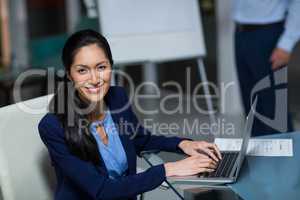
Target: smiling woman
<point x="94" y="150"/>
<point x="91" y="72"/>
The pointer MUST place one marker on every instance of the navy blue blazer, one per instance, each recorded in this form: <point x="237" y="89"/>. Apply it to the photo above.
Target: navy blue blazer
<point x="78" y="179"/>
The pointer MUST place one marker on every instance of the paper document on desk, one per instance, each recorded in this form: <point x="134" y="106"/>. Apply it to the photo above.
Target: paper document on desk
<point x="270" y="147"/>
<point x="229" y="144"/>
<point x="258" y="147"/>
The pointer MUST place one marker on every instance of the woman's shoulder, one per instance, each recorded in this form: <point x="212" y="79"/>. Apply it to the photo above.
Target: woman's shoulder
<point x="116" y="91"/>
<point x="117" y="95"/>
<point x="50" y="124"/>
<point x="49" y="118"/>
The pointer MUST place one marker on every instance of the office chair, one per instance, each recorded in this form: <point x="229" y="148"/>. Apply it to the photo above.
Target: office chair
<point x="25" y="169"/>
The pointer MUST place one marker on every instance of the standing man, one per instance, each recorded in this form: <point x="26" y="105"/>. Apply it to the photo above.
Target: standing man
<point x="266" y="32"/>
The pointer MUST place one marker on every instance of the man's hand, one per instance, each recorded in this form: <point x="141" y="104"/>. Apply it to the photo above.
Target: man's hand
<point x="279" y="58"/>
<point x="200" y="148"/>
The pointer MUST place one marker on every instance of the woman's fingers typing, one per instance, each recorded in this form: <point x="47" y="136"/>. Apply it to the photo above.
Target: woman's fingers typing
<point x="190" y="166"/>
<point x="216" y="150"/>
<point x="207" y="164"/>
<point x="211" y="150"/>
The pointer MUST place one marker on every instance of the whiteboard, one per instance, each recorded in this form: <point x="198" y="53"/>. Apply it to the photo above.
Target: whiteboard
<point x="151" y="30"/>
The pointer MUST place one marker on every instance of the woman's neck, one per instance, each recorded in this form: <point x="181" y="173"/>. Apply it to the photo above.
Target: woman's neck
<point x="98" y="113"/>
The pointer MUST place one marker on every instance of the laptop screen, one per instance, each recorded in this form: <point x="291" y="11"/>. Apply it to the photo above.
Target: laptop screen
<point x="247" y="131"/>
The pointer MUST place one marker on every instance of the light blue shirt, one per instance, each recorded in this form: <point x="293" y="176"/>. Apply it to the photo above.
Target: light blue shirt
<point x="270" y="11"/>
<point x="113" y="153"/>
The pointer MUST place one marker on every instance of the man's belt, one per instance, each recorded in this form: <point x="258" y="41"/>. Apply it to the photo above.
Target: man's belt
<point x="253" y="27"/>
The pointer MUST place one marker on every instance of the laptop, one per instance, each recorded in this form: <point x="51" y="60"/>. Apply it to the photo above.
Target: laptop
<point x="228" y="168"/>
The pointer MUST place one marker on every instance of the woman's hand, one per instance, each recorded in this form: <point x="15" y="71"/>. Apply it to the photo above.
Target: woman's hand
<point x="190" y="166"/>
<point x="205" y="149"/>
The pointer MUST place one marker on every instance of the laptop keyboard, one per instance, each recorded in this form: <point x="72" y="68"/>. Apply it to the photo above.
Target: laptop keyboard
<point x="224" y="167"/>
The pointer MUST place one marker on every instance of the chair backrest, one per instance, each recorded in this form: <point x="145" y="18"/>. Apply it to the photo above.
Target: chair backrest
<point x="25" y="168"/>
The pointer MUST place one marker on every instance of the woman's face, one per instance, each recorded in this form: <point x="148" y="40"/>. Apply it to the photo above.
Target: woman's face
<point x="91" y="73"/>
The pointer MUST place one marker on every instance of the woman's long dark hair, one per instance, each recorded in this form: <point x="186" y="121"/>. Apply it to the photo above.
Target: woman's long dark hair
<point x="66" y="103"/>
